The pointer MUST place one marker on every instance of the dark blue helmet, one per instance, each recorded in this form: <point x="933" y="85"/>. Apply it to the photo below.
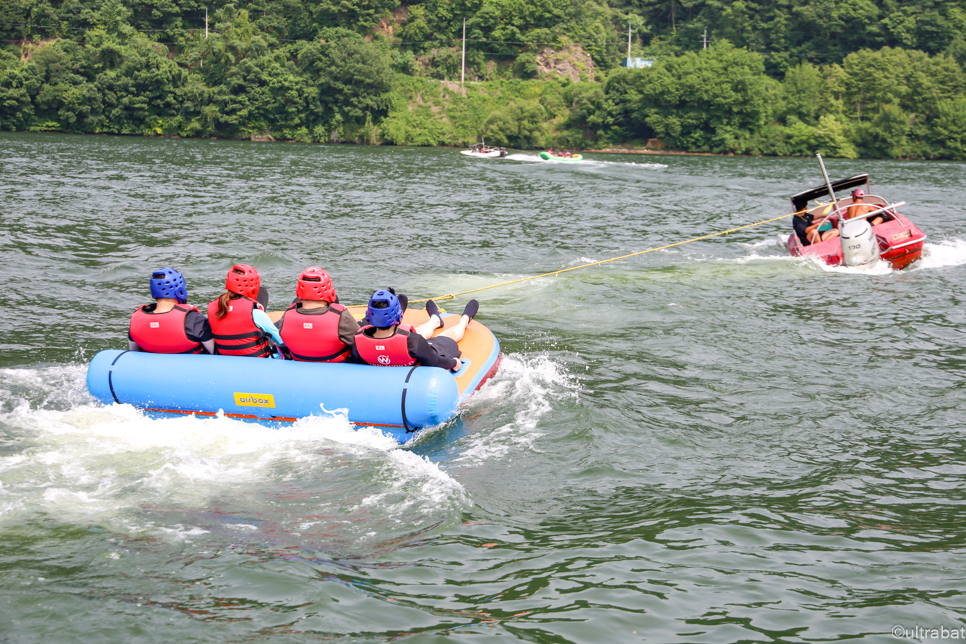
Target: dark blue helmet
<point x="384" y="309"/>
<point x="168" y="282"/>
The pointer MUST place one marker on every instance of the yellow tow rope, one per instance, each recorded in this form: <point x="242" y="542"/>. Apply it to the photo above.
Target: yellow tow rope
<point x="451" y="296"/>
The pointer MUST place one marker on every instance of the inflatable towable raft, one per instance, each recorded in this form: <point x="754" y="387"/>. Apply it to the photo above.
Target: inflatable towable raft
<point x="546" y="156"/>
<point x="398" y="400"/>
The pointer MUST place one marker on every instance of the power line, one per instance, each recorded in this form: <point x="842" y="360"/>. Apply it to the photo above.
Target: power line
<point x="396" y="42"/>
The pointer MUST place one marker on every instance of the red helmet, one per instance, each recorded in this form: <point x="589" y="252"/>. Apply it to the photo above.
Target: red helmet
<point x="315" y="284"/>
<point x="243" y="280"/>
<point x="858" y="193"/>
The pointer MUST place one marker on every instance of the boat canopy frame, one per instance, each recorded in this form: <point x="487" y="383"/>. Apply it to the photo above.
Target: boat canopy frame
<point x="800" y="200"/>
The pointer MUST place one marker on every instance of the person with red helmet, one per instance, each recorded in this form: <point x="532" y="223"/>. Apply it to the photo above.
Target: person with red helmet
<point x="859" y="207"/>
<point x="170" y="325"/>
<point x="390" y="343"/>
<point x="238" y="322"/>
<point x="316" y="328"/>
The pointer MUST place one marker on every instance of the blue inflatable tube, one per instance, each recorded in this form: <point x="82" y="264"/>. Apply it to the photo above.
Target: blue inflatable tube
<point x="400" y="399"/>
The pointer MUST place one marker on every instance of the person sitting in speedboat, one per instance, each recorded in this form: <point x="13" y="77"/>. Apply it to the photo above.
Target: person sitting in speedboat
<point x="170" y="325"/>
<point x="859" y="208"/>
<point x="316" y="328"/>
<point x="810" y="231"/>
<point x="238" y="321"/>
<point x="390" y="343"/>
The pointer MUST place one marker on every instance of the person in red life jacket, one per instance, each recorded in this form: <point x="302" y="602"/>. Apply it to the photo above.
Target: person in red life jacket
<point x="170" y="325"/>
<point x="238" y="322"/>
<point x="390" y="343"/>
<point x="316" y="328"/>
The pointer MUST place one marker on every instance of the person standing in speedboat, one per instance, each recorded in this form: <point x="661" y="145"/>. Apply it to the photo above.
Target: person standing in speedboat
<point x="238" y="322"/>
<point x="170" y="325"/>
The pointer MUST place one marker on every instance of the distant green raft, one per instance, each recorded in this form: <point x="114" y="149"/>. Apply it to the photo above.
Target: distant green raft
<point x="546" y="156"/>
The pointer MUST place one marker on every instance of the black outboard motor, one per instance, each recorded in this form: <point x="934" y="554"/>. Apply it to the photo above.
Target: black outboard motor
<point x="502" y="152"/>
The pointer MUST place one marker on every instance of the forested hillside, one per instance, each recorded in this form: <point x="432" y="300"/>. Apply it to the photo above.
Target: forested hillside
<point x="843" y="77"/>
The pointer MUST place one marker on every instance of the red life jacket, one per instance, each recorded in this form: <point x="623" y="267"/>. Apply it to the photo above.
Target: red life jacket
<point x="386" y="352"/>
<point x="236" y="334"/>
<point x="163" y="332"/>
<point x="314" y="338"/>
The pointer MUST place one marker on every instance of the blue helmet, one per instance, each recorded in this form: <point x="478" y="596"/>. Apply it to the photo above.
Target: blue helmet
<point x="384" y="309"/>
<point x="167" y="282"/>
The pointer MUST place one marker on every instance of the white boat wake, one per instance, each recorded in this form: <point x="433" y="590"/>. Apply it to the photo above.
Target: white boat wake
<point x="534" y="158"/>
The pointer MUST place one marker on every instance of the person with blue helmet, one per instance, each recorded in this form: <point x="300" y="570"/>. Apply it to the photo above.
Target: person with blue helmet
<point x="388" y="342"/>
<point x="170" y="325"/>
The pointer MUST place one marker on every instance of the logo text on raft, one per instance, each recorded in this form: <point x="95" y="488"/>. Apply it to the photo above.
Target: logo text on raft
<point x="254" y="400"/>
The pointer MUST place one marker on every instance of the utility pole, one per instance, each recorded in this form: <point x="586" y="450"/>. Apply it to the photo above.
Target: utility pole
<point x="206" y="36"/>
<point x="463" y="63"/>
<point x="628" y="44"/>
<point x="705" y="38"/>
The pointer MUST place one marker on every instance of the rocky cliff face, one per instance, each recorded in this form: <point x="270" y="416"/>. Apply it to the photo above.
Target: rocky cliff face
<point x="571" y="62"/>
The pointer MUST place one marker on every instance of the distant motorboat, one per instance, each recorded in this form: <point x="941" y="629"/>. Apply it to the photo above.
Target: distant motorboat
<point x="483" y="151"/>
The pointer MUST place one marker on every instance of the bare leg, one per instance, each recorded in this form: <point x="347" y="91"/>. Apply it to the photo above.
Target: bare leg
<point x="456" y="332"/>
<point x="830" y="234"/>
<point x="427" y="329"/>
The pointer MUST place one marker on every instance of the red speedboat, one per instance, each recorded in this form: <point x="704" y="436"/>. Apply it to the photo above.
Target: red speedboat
<point x="896" y="240"/>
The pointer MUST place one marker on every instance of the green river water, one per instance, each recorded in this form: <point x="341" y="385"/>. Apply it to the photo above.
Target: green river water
<point x="711" y="443"/>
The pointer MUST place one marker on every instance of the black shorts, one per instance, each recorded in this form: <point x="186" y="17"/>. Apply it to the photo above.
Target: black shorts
<point x="445" y="347"/>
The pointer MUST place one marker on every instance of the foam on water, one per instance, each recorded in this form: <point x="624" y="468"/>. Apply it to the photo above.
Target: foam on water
<point x="528" y="385"/>
<point x="645" y="166"/>
<point x="950" y="252"/>
<point x="880" y="267"/>
<point x="768" y="242"/>
<point x="518" y="156"/>
<point x="534" y="158"/>
<point x="80" y="460"/>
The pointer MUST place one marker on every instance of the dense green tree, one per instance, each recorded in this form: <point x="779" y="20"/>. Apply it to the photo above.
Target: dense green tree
<point x="910" y="79"/>
<point x="16" y="106"/>
<point x="621" y="121"/>
<point x="948" y="133"/>
<point x="710" y="101"/>
<point x="522" y="124"/>
<point x="138" y="86"/>
<point x="887" y="134"/>
<point x="802" y="94"/>
<point x="352" y="76"/>
<point x="832" y="138"/>
<point x="876" y="77"/>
